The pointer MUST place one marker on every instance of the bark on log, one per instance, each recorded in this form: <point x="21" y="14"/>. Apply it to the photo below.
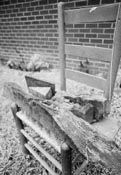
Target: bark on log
<point x="67" y="127"/>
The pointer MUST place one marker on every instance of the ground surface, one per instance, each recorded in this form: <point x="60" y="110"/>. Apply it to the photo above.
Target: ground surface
<point x="12" y="161"/>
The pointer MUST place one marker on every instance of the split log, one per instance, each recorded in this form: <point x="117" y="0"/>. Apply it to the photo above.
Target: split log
<point x="67" y="127"/>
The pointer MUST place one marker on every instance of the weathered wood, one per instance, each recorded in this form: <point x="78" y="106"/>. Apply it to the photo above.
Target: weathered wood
<point x="61" y="45"/>
<point x="41" y="92"/>
<point x="81" y="168"/>
<point x="47" y="136"/>
<point x="96" y="53"/>
<point x="45" y="153"/>
<point x="33" y="82"/>
<point x="75" y="131"/>
<point x="95" y="14"/>
<point x="85" y="112"/>
<point x="88" y="79"/>
<point x="43" y="163"/>
<point x="66" y="157"/>
<point x="19" y="126"/>
<point x="116" y="56"/>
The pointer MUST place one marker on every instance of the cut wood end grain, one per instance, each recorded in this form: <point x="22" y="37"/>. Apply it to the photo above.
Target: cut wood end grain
<point x="41" y="92"/>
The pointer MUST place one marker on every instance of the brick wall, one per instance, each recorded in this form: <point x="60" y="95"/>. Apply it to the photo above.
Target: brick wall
<point x="30" y="26"/>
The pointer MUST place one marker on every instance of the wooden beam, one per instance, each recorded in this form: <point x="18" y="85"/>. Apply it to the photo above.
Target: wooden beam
<point x="61" y="45"/>
<point x="116" y="56"/>
<point x="95" y="14"/>
<point x="19" y="126"/>
<point x="89" y="80"/>
<point x="77" y="133"/>
<point x="96" y="53"/>
<point x="66" y="156"/>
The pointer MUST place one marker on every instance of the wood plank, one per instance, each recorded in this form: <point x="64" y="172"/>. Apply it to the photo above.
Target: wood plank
<point x="89" y="80"/>
<point x="47" y="155"/>
<point x="96" y="53"/>
<point x="19" y="125"/>
<point x="77" y="133"/>
<point x="61" y="45"/>
<point x="66" y="159"/>
<point x="33" y="82"/>
<point x="42" y="162"/>
<point x="95" y="14"/>
<point x="96" y="146"/>
<point x="116" y="56"/>
<point x="39" y="130"/>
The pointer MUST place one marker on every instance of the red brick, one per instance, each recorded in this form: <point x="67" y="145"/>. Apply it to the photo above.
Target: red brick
<point x="73" y="30"/>
<point x="96" y="41"/>
<point x="72" y="40"/>
<point x="108" y="41"/>
<point x="93" y="2"/>
<point x="91" y="35"/>
<point x="107" y="1"/>
<point x="80" y="35"/>
<point x="83" y="40"/>
<point x="34" y="3"/>
<point x="97" y="30"/>
<point x="81" y="3"/>
<point x="69" y="25"/>
<point x="69" y="5"/>
<point x="109" y="31"/>
<point x="79" y="25"/>
<point x="54" y="11"/>
<point x="105" y="25"/>
<point x="103" y="35"/>
<point x="84" y="30"/>
<point x="92" y="25"/>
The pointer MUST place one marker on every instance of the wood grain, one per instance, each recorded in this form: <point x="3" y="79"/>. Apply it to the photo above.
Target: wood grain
<point x="88" y="79"/>
<point x="77" y="133"/>
<point x="95" y="53"/>
<point x="97" y="14"/>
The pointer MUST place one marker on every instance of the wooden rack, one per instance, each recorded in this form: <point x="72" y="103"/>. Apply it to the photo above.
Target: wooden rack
<point x="65" y="151"/>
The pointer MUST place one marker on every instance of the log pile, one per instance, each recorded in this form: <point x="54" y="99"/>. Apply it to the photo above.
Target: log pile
<point x="57" y="116"/>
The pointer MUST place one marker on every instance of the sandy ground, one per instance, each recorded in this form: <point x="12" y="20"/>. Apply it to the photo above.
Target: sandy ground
<point x="12" y="161"/>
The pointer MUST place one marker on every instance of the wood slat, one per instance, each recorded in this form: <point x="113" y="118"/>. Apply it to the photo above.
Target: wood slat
<point x="54" y="161"/>
<point x="61" y="45"/>
<point x="81" y="168"/>
<point x="89" y="80"/>
<point x="96" y="53"/>
<point x="95" y="14"/>
<point x="42" y="162"/>
<point x="42" y="132"/>
<point x="116" y="56"/>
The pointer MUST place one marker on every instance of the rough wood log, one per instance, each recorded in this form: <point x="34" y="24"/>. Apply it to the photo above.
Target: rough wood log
<point x="98" y="103"/>
<point x="67" y="127"/>
<point x="85" y="112"/>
